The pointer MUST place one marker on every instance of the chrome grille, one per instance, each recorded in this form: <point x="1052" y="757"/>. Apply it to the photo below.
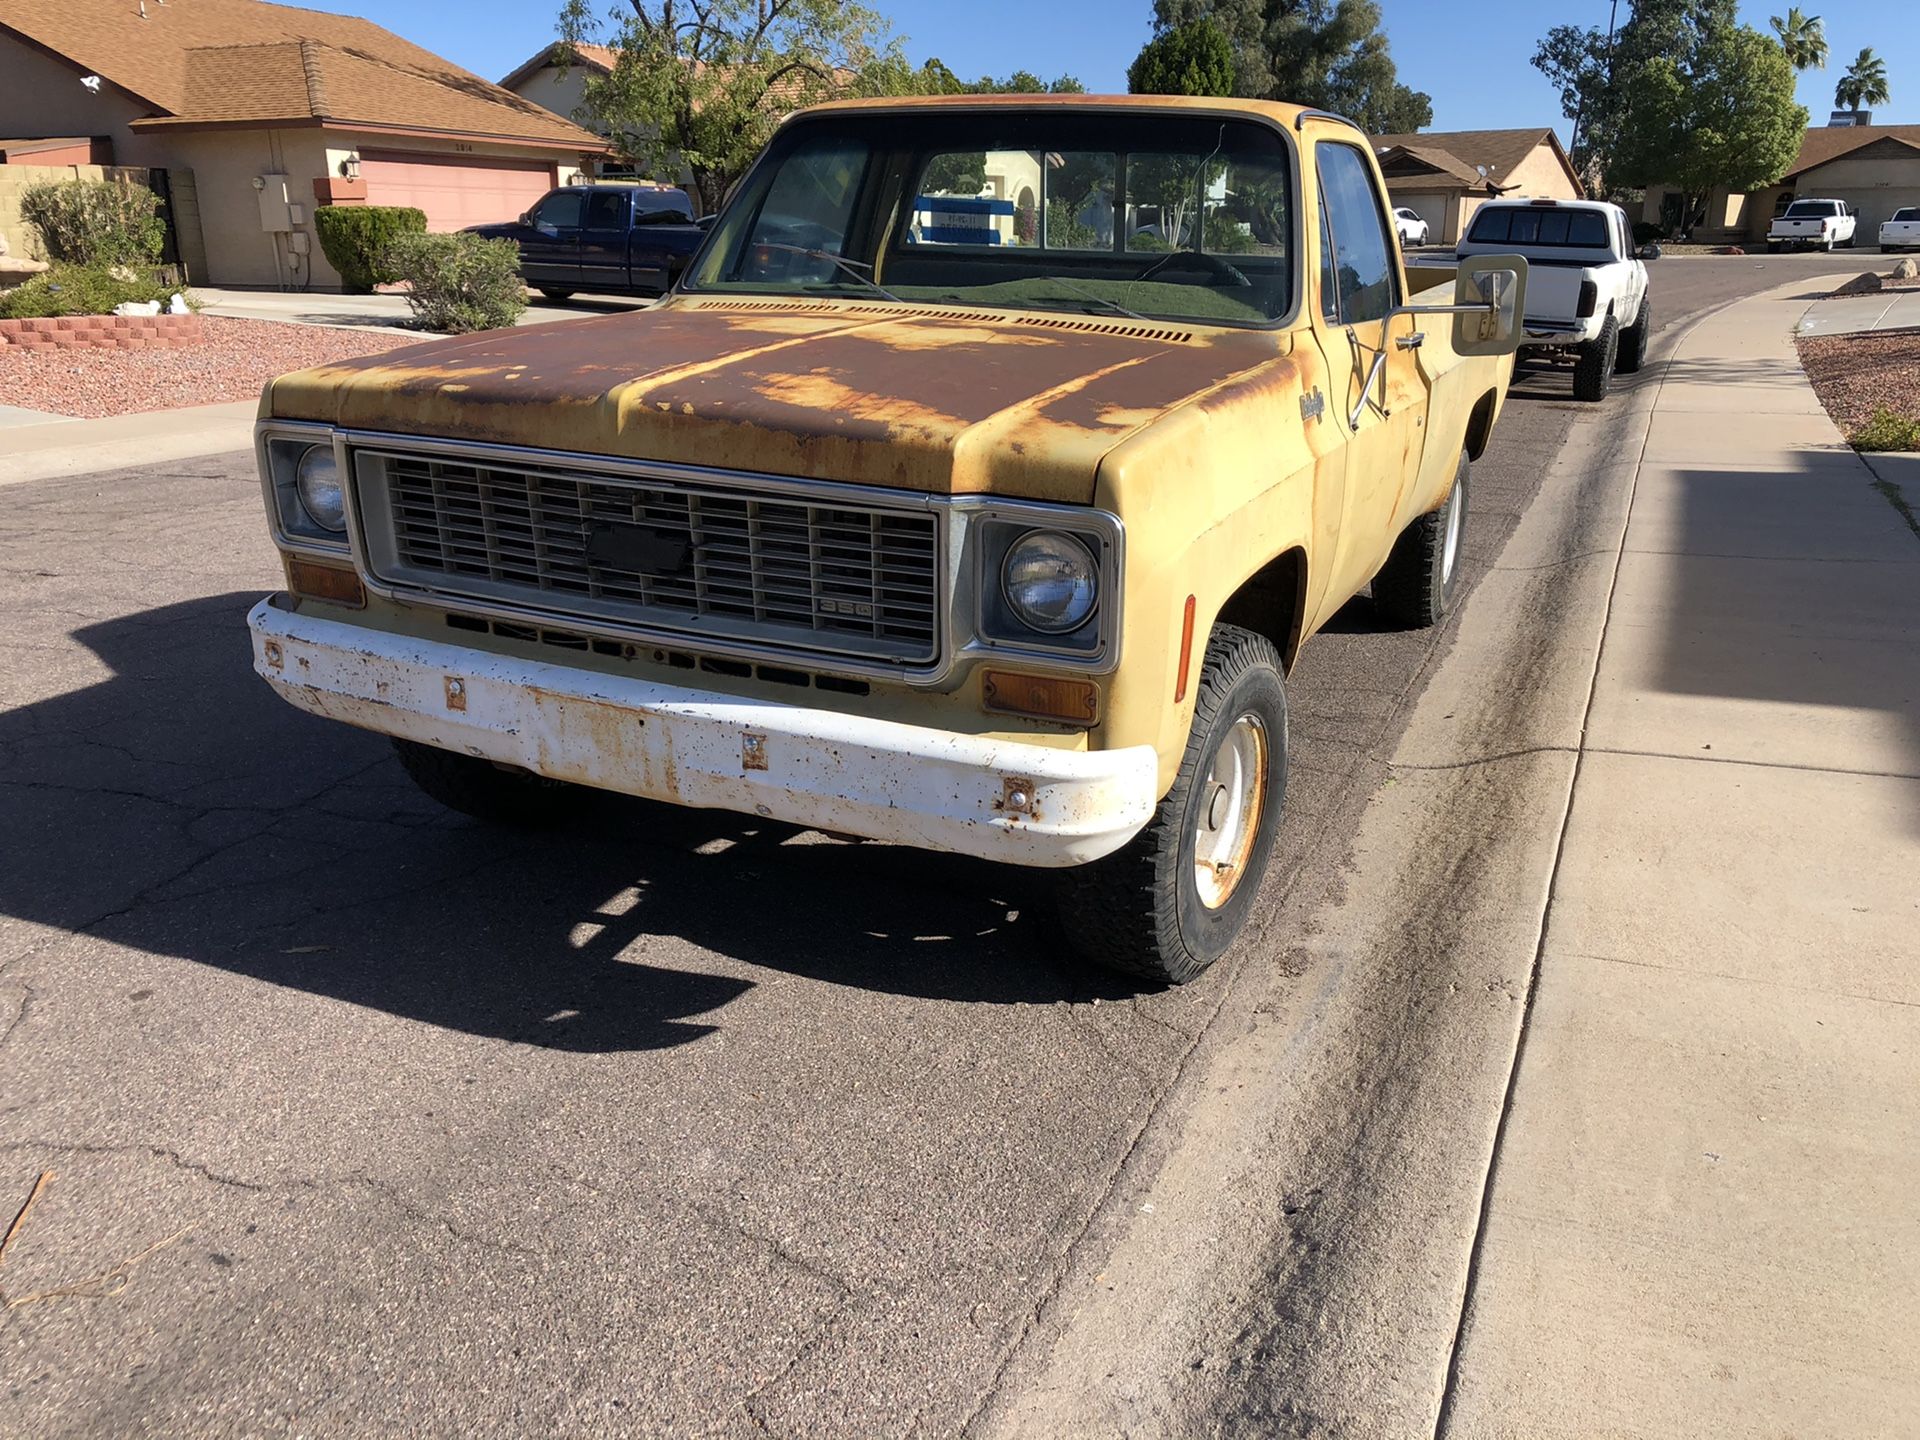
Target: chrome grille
<point x="772" y="569"/>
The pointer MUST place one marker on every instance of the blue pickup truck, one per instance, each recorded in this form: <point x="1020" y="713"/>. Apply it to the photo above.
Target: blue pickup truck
<point x="605" y="239"/>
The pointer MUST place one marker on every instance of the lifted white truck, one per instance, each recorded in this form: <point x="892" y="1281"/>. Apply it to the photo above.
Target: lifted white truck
<point x="1587" y="291"/>
<point x="1822" y="224"/>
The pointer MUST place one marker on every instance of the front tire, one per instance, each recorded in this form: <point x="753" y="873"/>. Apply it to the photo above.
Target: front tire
<point x="1593" y="371"/>
<point x="1633" y="340"/>
<point x="1414" y="589"/>
<point x="554" y="293"/>
<point x="499" y="795"/>
<point x="1173" y="900"/>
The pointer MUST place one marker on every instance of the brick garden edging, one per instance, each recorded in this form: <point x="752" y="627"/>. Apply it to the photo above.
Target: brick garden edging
<point x="104" y="332"/>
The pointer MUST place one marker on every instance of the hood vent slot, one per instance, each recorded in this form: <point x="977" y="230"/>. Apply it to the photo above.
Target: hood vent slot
<point x="970" y="317"/>
<point x="1103" y="327"/>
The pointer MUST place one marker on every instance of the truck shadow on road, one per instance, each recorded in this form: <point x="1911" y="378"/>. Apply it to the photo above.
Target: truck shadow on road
<point x="180" y="808"/>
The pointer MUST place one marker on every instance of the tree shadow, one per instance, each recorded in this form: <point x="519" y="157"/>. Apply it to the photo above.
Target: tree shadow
<point x="180" y="807"/>
<point x="1798" y="587"/>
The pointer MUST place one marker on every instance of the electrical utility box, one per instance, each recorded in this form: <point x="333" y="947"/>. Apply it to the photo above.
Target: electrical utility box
<point x="276" y="209"/>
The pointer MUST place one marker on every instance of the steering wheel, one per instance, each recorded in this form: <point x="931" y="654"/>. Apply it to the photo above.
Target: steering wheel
<point x="1232" y="274"/>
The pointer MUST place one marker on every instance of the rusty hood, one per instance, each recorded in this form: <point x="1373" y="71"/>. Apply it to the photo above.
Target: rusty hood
<point x="947" y="401"/>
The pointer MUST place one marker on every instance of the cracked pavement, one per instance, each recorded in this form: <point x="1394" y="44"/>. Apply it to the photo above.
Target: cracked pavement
<point x="677" y="1121"/>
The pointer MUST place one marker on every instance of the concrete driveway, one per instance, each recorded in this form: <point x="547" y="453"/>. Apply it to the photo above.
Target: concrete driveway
<point x="356" y="311"/>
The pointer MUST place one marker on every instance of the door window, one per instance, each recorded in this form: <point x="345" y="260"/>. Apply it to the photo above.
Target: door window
<point x="560" y="211"/>
<point x="1357" y="271"/>
<point x="607" y="210"/>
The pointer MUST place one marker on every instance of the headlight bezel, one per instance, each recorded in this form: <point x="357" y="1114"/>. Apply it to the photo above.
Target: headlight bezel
<point x="988" y="625"/>
<point x="279" y="446"/>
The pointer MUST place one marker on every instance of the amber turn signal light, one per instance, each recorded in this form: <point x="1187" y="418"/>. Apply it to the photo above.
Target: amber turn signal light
<point x="1050" y="697"/>
<point x="312" y="581"/>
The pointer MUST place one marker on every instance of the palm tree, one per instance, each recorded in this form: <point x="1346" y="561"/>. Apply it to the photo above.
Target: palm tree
<point x="1864" y="85"/>
<point x="1804" y="39"/>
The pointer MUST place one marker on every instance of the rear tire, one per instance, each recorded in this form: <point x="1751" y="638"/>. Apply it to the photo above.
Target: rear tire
<point x="555" y="294"/>
<point x="1633" y="340"/>
<point x="1414" y="589"/>
<point x="1593" y="371"/>
<point x="1146" y="909"/>
<point x="496" y="794"/>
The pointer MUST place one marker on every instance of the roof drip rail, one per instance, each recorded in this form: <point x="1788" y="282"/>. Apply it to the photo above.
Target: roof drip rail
<point x="1300" y="121"/>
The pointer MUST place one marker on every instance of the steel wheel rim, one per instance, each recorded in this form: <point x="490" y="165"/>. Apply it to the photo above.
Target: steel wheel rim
<point x="1450" y="548"/>
<point x="1232" y="799"/>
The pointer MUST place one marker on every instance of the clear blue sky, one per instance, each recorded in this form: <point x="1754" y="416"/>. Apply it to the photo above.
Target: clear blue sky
<point x="1472" y="58"/>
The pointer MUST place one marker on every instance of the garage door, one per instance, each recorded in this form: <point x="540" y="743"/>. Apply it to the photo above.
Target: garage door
<point x="1874" y="207"/>
<point x="454" y="191"/>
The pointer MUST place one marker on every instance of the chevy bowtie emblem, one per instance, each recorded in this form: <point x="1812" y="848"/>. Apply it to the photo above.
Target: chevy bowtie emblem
<point x="1313" y="404"/>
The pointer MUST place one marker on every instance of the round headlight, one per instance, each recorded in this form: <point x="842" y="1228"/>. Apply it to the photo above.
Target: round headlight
<point x="317" y="481"/>
<point x="1050" y="581"/>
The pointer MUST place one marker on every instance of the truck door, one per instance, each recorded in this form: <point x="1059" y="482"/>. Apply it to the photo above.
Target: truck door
<point x="550" y="241"/>
<point x="1378" y="399"/>
<point x="663" y="237"/>
<point x="603" y="239"/>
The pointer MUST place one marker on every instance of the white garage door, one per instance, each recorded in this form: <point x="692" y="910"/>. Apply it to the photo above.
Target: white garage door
<point x="454" y="191"/>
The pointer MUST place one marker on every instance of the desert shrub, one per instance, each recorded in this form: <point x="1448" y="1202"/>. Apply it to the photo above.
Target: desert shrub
<point x="96" y="222"/>
<point x="1647" y="232"/>
<point x="460" y="282"/>
<point x="1888" y="431"/>
<point x="82" y="290"/>
<point x="355" y="238"/>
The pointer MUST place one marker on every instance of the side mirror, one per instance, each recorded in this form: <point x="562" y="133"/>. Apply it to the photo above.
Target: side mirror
<point x="1491" y="291"/>
<point x="1649" y="251"/>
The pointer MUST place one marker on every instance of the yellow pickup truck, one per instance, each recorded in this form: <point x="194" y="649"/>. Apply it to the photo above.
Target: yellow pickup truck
<point x="975" y="490"/>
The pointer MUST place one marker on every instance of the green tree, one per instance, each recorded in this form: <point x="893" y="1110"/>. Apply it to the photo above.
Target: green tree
<point x="1596" y="72"/>
<point x="1726" y="119"/>
<point x="1326" y="53"/>
<point x="1864" y="85"/>
<point x="892" y="75"/>
<point x="700" y="84"/>
<point x="1804" y="39"/>
<point x="1191" y="59"/>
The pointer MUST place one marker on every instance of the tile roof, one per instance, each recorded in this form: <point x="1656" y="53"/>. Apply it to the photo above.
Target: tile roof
<point x="1430" y="159"/>
<point x="1499" y="150"/>
<point x="591" y="57"/>
<point x="1825" y="143"/>
<point x="202" y="61"/>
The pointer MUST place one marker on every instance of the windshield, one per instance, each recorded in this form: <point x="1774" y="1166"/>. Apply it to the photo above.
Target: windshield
<point x="1812" y="210"/>
<point x="1152" y="215"/>
<point x="1910" y="213"/>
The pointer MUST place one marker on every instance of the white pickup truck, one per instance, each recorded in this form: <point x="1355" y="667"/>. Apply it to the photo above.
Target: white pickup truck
<point x="1820" y="223"/>
<point x="1902" y="232"/>
<point x="1587" y="287"/>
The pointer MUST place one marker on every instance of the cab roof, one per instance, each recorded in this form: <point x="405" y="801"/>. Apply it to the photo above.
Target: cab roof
<point x="1286" y="117"/>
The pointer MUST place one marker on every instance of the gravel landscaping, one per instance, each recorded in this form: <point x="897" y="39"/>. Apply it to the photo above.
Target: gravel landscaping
<point x="1858" y="375"/>
<point x="236" y="359"/>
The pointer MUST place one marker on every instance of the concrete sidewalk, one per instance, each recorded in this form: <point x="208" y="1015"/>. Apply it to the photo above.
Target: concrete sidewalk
<point x="1857" y="314"/>
<point x="58" y="445"/>
<point x="1704" y="1210"/>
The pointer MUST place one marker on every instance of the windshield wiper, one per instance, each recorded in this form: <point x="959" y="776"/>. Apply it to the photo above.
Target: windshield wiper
<point x="1114" y="305"/>
<point x="851" y="267"/>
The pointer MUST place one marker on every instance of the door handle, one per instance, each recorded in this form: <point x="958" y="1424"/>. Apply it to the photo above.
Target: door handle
<point x="1411" y="342"/>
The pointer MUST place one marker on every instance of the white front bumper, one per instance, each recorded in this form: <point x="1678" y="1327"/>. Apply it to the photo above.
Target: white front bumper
<point x="818" y="768"/>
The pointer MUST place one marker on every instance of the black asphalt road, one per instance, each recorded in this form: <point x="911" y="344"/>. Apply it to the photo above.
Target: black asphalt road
<point x="365" y="1119"/>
